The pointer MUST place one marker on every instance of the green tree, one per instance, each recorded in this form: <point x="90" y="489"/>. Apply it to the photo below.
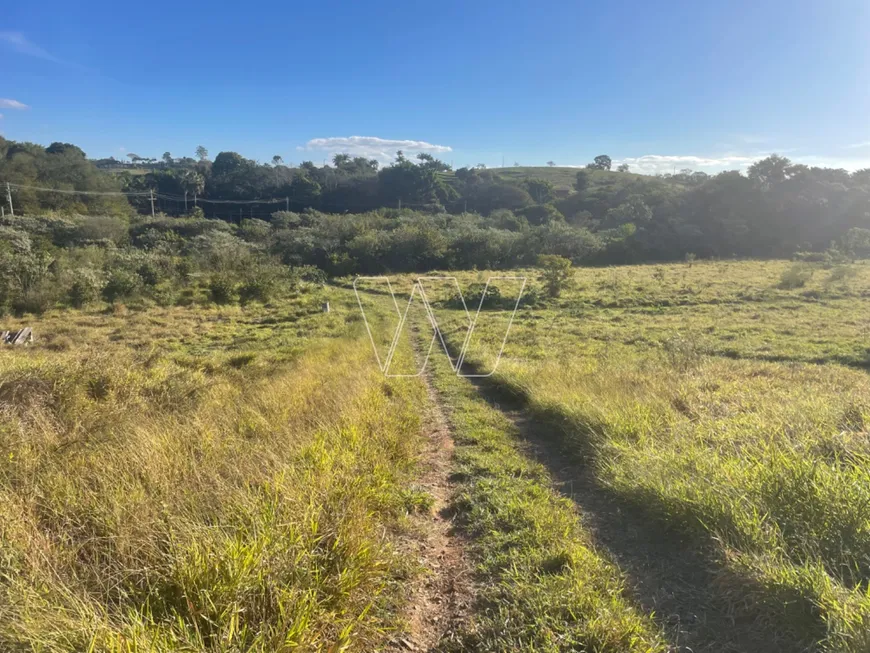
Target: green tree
<point x="541" y="190"/>
<point x="768" y="172"/>
<point x="622" y="167"/>
<point x="601" y="162"/>
<point x="64" y="148"/>
<point x="581" y="181"/>
<point x="556" y="273"/>
<point x="201" y="153"/>
<point x="167" y="158"/>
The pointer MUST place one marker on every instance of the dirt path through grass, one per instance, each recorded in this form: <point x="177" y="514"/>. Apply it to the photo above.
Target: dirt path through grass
<point x="441" y="599"/>
<point x="681" y="579"/>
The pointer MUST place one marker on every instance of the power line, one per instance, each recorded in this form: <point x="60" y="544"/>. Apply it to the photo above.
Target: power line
<point x="74" y="192"/>
<point x="339" y="208"/>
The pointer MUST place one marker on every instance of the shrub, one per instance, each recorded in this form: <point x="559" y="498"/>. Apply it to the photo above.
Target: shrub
<point x="557" y="273"/>
<point x="85" y="289"/>
<point x="308" y="273"/>
<point x="472" y="297"/>
<point x="121" y="284"/>
<point x="163" y="293"/>
<point x="222" y="288"/>
<point x="842" y="273"/>
<point x="257" y="287"/>
<point x="795" y="276"/>
<point x="36" y="299"/>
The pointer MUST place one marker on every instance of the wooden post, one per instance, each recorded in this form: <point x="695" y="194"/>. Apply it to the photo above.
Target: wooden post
<point x="9" y="197"/>
<point x="152" y="202"/>
<point x="287" y="202"/>
<point x="185" y="201"/>
<point x="325" y="307"/>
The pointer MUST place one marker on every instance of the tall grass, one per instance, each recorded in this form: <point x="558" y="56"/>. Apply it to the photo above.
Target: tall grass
<point x="765" y="461"/>
<point x="147" y="505"/>
<point x="543" y="584"/>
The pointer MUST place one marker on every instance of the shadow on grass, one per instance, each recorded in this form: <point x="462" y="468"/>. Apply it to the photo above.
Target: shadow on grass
<point x="677" y="572"/>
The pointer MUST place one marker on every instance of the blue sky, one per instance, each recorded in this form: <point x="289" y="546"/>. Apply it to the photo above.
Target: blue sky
<point x="705" y="85"/>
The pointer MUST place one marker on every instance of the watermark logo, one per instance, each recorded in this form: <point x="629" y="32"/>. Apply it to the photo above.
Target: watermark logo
<point x="418" y="292"/>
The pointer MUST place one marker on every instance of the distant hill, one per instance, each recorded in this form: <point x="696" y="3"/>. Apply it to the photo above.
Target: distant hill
<point x="562" y="177"/>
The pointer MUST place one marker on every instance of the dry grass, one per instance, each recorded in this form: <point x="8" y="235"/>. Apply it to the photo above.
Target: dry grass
<point x="175" y="500"/>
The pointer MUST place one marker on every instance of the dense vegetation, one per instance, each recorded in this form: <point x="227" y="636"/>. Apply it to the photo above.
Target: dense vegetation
<point x="471" y="216"/>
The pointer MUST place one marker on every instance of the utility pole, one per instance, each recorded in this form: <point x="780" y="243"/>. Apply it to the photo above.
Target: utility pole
<point x="287" y="202"/>
<point x="194" y="199"/>
<point x="185" y="201"/>
<point x="9" y="198"/>
<point x="400" y="203"/>
<point x="152" y="202"/>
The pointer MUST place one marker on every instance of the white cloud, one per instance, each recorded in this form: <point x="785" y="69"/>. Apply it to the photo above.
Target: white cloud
<point x="372" y="147"/>
<point x="857" y="146"/>
<point x="6" y="103"/>
<point x="652" y="164"/>
<point x="19" y="43"/>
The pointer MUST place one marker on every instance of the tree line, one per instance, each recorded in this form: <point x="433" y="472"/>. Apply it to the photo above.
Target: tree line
<point x="776" y="208"/>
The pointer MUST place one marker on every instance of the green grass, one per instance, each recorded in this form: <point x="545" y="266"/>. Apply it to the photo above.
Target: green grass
<point x="236" y="478"/>
<point x="723" y="405"/>
<point x="543" y="585"/>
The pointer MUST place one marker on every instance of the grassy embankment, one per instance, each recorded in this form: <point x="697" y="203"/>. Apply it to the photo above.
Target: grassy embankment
<point x="203" y="479"/>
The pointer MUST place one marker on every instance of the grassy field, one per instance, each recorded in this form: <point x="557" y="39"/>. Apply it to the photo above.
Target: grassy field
<point x="195" y="479"/>
<point x="668" y="458"/>
<point x="722" y="412"/>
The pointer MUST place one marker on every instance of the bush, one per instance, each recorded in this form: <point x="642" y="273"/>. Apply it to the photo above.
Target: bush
<point x="120" y="285"/>
<point x="258" y="287"/>
<point x="842" y="273"/>
<point x="557" y="273"/>
<point x="795" y="276"/>
<point x="222" y="288"/>
<point x="85" y="289"/>
<point x="163" y="293"/>
<point x="36" y="300"/>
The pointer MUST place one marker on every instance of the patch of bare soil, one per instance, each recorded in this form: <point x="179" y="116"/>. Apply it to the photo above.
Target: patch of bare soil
<point x="440" y="600"/>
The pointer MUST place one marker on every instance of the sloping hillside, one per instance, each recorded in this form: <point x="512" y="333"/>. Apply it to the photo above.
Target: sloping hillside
<point x="563" y="177"/>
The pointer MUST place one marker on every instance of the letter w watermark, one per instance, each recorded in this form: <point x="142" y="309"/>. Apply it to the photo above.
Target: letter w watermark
<point x="419" y="291"/>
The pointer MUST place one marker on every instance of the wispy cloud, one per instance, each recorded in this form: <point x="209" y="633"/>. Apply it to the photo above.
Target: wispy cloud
<point x="857" y="146"/>
<point x="371" y="147"/>
<point x="652" y="164"/>
<point x="19" y="43"/>
<point x="6" y="103"/>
